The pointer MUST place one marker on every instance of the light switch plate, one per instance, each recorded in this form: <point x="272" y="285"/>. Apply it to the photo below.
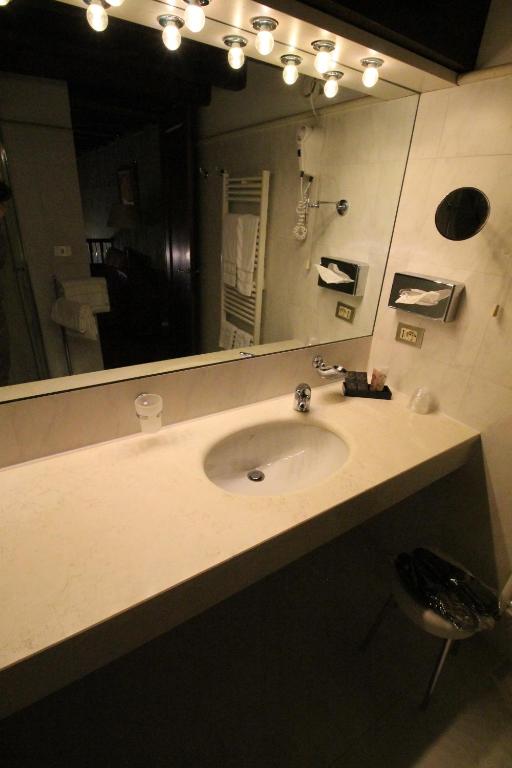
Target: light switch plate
<point x="345" y="312"/>
<point x="410" y="334"/>
<point x="62" y="251"/>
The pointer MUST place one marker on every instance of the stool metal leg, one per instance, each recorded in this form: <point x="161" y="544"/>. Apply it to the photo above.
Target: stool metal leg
<point x="437" y="671"/>
<point x="376" y="624"/>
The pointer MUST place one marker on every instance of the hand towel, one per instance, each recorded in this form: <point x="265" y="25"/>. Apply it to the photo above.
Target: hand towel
<point x="75" y="317"/>
<point x="231" y="245"/>
<point x="249" y="225"/>
<point x="242" y="339"/>
<point x="227" y="335"/>
<point x="89" y="290"/>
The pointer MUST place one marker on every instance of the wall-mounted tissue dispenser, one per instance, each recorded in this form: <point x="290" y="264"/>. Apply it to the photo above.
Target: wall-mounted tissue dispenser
<point x="431" y="297"/>
<point x="345" y="276"/>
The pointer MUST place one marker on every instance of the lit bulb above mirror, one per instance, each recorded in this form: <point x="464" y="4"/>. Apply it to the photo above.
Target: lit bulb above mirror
<point x="97" y="16"/>
<point x="331" y="85"/>
<point x="290" y="70"/>
<point x="171" y="34"/>
<point x="371" y="70"/>
<point x="323" y="49"/>
<point x="194" y="15"/>
<point x="264" y="25"/>
<point x="236" y="56"/>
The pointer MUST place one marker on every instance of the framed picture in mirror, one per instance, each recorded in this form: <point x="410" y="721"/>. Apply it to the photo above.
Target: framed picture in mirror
<point x="127" y="183"/>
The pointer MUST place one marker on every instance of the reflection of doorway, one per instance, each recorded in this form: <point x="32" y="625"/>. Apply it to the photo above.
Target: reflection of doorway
<point x="119" y="84"/>
<point x="25" y="343"/>
<point x="121" y="190"/>
<point x="178" y="164"/>
<point x="137" y="192"/>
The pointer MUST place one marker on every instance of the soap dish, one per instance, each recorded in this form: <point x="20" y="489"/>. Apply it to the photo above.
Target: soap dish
<point x="356" y="385"/>
<point x="385" y="394"/>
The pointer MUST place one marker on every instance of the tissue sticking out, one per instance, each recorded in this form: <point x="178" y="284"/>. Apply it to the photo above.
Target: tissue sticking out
<point x="422" y="298"/>
<point x="333" y="274"/>
<point x="433" y="297"/>
<point x="343" y="276"/>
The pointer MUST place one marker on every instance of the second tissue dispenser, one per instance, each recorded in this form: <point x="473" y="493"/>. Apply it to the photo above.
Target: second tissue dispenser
<point x="432" y="297"/>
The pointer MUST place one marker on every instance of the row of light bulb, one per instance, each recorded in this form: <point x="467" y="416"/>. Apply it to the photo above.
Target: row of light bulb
<point x="264" y="26"/>
<point x="194" y="20"/>
<point x="97" y="16"/>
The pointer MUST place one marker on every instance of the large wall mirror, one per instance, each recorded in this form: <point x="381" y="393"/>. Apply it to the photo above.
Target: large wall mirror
<point x="149" y="187"/>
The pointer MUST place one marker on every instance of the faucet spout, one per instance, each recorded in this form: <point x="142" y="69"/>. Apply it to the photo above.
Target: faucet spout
<point x="327" y="371"/>
<point x="302" y="398"/>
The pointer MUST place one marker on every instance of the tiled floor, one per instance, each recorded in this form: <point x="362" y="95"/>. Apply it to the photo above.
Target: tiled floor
<point x="273" y="677"/>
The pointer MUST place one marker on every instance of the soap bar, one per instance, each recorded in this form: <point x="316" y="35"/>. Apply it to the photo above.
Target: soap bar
<point x="362" y="381"/>
<point x="351" y="381"/>
<point x="356" y="381"/>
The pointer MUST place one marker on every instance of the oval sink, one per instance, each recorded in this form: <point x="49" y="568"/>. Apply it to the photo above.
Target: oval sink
<point x="275" y="458"/>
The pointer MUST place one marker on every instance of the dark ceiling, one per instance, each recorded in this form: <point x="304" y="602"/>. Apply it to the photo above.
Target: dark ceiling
<point x="120" y="79"/>
<point x="445" y="31"/>
<point x="123" y="78"/>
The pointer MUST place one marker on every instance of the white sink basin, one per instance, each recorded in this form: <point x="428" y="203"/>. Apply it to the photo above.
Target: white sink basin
<point x="290" y="455"/>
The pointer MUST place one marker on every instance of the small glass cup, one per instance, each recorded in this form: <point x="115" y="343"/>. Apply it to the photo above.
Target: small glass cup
<point x="421" y="401"/>
<point x="149" y="412"/>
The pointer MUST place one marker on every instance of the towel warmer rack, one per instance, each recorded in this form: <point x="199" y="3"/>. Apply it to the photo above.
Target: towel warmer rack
<point x="247" y="194"/>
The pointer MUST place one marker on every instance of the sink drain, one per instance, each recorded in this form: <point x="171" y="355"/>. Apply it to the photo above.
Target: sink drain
<point x="256" y="475"/>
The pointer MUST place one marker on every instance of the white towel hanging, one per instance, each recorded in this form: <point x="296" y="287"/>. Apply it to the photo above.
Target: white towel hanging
<point x="227" y="335"/>
<point x="246" y="257"/>
<point x="242" y="300"/>
<point x="231" y="247"/>
<point x="75" y="317"/>
<point x="88" y="290"/>
<point x="242" y="339"/>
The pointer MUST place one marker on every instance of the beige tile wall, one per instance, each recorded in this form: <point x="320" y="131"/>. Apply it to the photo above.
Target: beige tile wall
<point x="463" y="137"/>
<point x="359" y="153"/>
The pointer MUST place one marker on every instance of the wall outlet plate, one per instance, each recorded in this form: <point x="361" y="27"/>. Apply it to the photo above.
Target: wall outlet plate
<point x="345" y="312"/>
<point x="410" y="334"/>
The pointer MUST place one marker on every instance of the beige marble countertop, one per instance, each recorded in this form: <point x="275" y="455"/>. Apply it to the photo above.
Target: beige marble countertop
<point x="90" y="534"/>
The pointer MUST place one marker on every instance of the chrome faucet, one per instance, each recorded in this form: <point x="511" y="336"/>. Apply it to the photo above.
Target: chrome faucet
<point x="327" y="371"/>
<point x="302" y="397"/>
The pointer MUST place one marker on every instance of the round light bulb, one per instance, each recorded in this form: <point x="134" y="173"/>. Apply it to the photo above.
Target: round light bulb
<point x="97" y="16"/>
<point x="331" y="88"/>
<point x="236" y="56"/>
<point x="323" y="61"/>
<point x="290" y="74"/>
<point x="171" y="36"/>
<point x="115" y="3"/>
<point x="4" y="2"/>
<point x="370" y="75"/>
<point x="264" y="42"/>
<point x="194" y="18"/>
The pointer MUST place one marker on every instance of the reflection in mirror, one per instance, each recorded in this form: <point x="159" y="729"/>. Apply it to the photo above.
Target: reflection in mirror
<point x="462" y="213"/>
<point x="160" y="214"/>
